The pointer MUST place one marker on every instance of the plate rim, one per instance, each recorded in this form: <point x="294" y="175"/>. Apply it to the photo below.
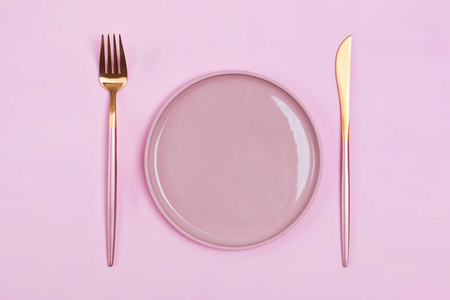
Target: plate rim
<point x="147" y="149"/>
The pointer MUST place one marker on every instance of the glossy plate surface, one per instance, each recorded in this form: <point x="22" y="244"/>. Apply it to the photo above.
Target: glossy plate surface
<point x="233" y="160"/>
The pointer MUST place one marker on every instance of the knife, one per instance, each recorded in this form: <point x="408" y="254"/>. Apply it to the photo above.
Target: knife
<point x="343" y="57"/>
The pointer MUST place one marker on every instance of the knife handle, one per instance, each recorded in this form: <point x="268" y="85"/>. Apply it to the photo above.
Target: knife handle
<point x="345" y="202"/>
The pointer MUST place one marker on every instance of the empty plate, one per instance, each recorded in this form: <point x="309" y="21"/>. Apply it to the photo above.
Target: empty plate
<point x="233" y="160"/>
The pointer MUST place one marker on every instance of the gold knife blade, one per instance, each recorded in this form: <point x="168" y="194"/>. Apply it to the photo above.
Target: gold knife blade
<point x="343" y="58"/>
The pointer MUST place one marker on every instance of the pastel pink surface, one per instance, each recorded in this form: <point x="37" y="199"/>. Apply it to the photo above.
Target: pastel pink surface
<point x="53" y="153"/>
<point x="233" y="160"/>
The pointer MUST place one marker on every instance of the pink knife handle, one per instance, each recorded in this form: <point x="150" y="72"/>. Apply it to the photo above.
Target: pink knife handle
<point x="345" y="203"/>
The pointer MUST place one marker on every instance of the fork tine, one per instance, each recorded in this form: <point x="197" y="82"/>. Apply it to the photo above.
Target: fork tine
<point x="102" y="57"/>
<point x="123" y="63"/>
<point x="109" y="57"/>
<point x="116" y="62"/>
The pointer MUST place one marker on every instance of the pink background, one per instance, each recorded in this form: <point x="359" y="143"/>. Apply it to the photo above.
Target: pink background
<point x="53" y="133"/>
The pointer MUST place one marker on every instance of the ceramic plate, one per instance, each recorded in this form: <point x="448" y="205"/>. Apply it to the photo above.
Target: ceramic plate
<point x="233" y="160"/>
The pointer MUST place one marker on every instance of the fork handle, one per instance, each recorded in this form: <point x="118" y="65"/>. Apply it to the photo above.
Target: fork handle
<point x="112" y="181"/>
<point x="345" y="202"/>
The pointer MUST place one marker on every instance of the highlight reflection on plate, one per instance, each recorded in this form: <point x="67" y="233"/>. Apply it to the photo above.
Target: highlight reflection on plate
<point x="233" y="160"/>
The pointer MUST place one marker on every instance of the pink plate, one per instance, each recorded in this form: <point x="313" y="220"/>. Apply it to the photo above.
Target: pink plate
<point x="233" y="160"/>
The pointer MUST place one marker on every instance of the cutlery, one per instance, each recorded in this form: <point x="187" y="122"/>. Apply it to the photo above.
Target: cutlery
<point x="113" y="79"/>
<point x="343" y="57"/>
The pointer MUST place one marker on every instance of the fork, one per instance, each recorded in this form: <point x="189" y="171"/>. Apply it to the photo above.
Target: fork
<point x="113" y="79"/>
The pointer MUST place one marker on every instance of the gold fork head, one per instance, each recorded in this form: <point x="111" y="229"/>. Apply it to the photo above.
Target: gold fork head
<point x="111" y="76"/>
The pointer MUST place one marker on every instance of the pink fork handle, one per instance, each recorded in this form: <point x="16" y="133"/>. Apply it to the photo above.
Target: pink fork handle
<point x="112" y="195"/>
<point x="345" y="203"/>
